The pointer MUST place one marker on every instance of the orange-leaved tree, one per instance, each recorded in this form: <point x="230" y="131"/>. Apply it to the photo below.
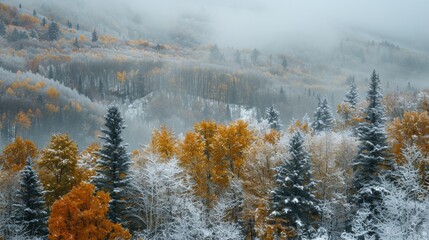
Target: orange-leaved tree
<point x="81" y="214"/>
<point x="163" y="143"/>
<point x="16" y="153"/>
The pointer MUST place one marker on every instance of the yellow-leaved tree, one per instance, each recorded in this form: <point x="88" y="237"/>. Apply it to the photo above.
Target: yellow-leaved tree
<point x="58" y="167"/>
<point x="411" y="129"/>
<point x="81" y="214"/>
<point x="163" y="143"/>
<point x="16" y="153"/>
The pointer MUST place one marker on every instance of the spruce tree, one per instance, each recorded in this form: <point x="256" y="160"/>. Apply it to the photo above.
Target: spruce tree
<point x="112" y="172"/>
<point x="273" y="117"/>
<point x="34" y="12"/>
<point x="2" y="29"/>
<point x="372" y="159"/>
<point x="293" y="199"/>
<point x="323" y="120"/>
<point x="76" y="43"/>
<point x="30" y="209"/>
<point x="351" y="96"/>
<point x="43" y="23"/>
<point x="50" y="72"/>
<point x="53" y="31"/>
<point x="94" y="36"/>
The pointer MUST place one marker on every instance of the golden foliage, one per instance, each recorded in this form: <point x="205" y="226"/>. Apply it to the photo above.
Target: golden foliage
<point x="300" y="126"/>
<point x="58" y="167"/>
<point x="22" y="120"/>
<point x="83" y="38"/>
<point x="413" y="128"/>
<point x="9" y="91"/>
<point x="15" y="154"/>
<point x="193" y="159"/>
<point x="28" y="21"/>
<point x="121" y="76"/>
<point x="106" y="39"/>
<point x="229" y="146"/>
<point x="163" y="143"/>
<point x="53" y="93"/>
<point x="81" y="214"/>
<point x="52" y="108"/>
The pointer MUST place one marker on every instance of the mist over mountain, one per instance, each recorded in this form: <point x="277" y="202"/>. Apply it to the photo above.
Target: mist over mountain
<point x="214" y="119"/>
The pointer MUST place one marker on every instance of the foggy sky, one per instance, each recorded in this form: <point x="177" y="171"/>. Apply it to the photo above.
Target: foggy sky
<point x="264" y="23"/>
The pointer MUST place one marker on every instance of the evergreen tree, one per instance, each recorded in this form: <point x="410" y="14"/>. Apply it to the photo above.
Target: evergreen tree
<point x="372" y="159"/>
<point x="43" y="23"/>
<point x="50" y="72"/>
<point x="323" y="120"/>
<point x="292" y="199"/>
<point x="33" y="33"/>
<point x="30" y="210"/>
<point x="282" y="95"/>
<point x="351" y="96"/>
<point x="94" y="36"/>
<point x="34" y="12"/>
<point x="273" y="118"/>
<point x="228" y="113"/>
<point x="255" y="55"/>
<point x="112" y="173"/>
<point x="76" y="43"/>
<point x="77" y="26"/>
<point x="284" y="63"/>
<point x="53" y="31"/>
<point x="2" y="29"/>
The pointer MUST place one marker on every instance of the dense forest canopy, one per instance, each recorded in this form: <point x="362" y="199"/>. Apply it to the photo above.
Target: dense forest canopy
<point x="213" y="120"/>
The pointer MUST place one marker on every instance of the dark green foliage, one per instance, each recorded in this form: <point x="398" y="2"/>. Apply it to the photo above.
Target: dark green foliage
<point x="273" y="118"/>
<point x="53" y="31"/>
<point x="351" y="96"/>
<point x="30" y="209"/>
<point x="293" y="199"/>
<point x="323" y="120"/>
<point x="33" y="33"/>
<point x="284" y="63"/>
<point x="112" y="173"/>
<point x="94" y="36"/>
<point x="76" y="43"/>
<point x="51" y="72"/>
<point x="16" y="35"/>
<point x="34" y="12"/>
<point x="43" y="23"/>
<point x="373" y="158"/>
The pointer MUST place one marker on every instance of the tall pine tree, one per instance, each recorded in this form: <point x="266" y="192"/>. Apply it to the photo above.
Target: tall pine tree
<point x="323" y="120"/>
<point x="94" y="36"/>
<point x="372" y="159"/>
<point x="112" y="172"/>
<point x="273" y="117"/>
<point x="293" y="199"/>
<point x="30" y="209"/>
<point x="53" y="31"/>
<point x="351" y="96"/>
